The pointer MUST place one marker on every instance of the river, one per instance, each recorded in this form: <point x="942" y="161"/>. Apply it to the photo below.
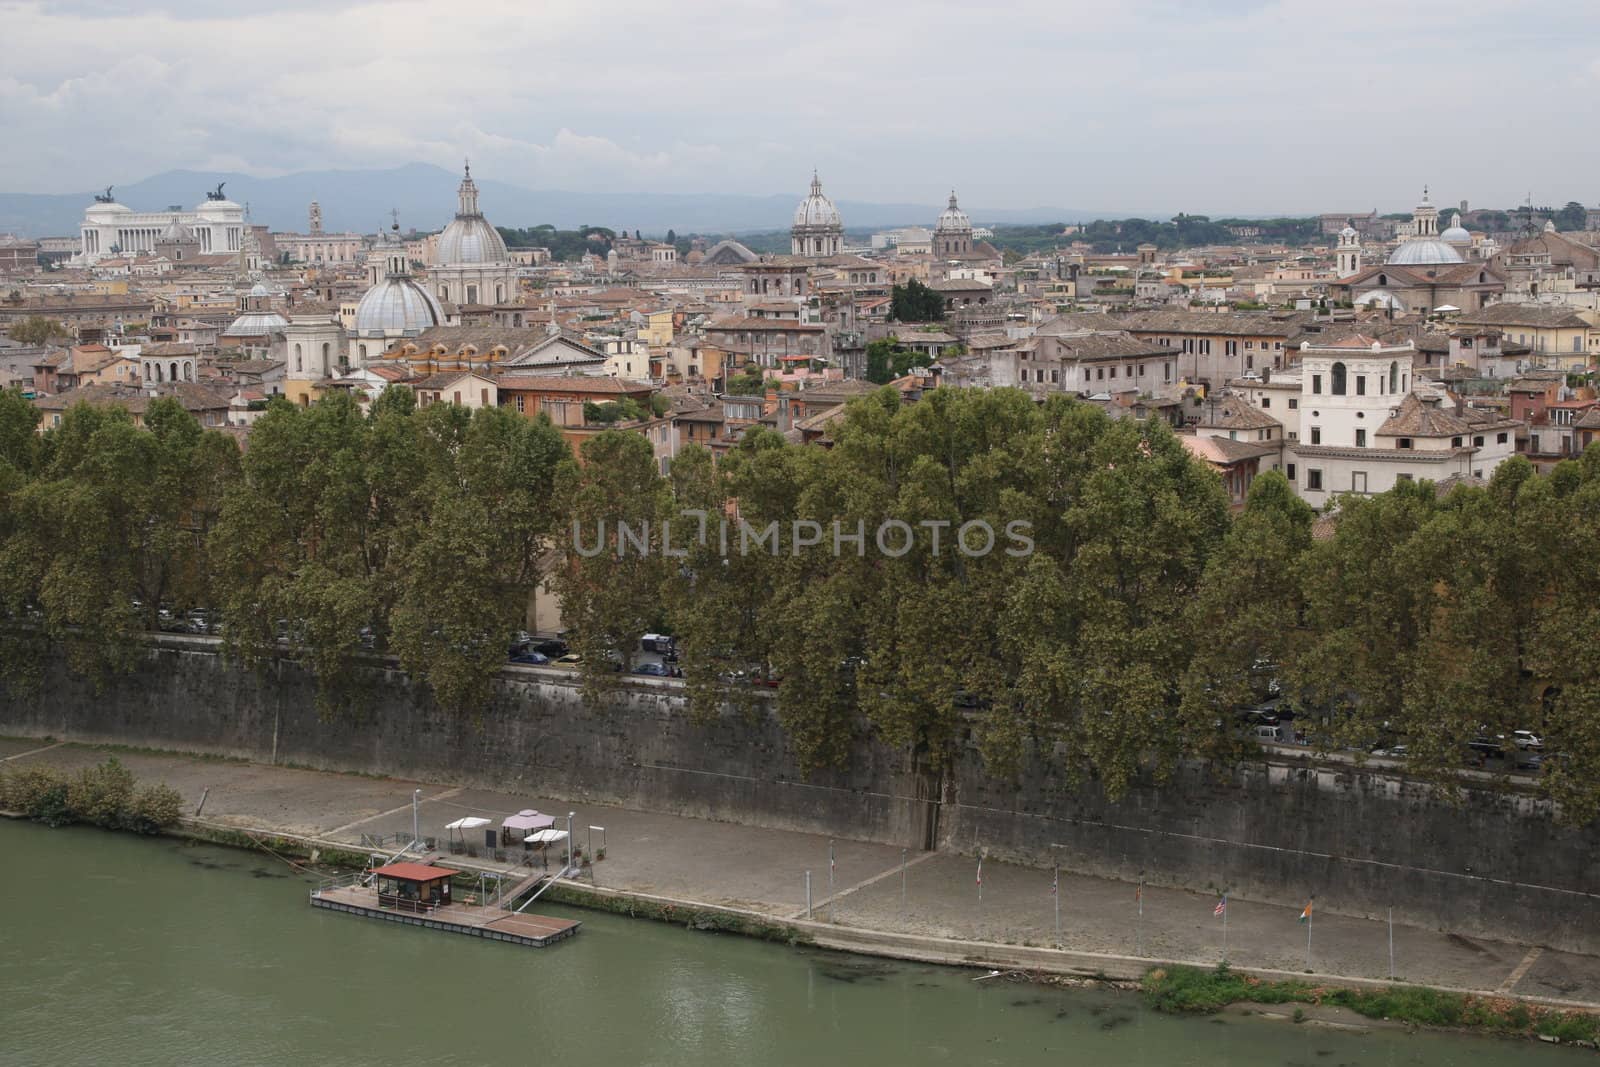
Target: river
<point x="120" y="950"/>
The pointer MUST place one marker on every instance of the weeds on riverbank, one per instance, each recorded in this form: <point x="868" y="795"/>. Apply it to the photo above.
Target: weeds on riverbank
<point x="107" y="796"/>
<point x="1192" y="989"/>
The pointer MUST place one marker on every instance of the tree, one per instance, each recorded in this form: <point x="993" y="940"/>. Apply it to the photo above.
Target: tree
<point x="465" y="577"/>
<point x="609" y="585"/>
<point x="1245" y="617"/>
<point x="38" y="330"/>
<point x="915" y="302"/>
<point x="1572" y="217"/>
<point x="887" y="360"/>
<point x="1363" y="601"/>
<point x="308" y="536"/>
<point x="672" y="237"/>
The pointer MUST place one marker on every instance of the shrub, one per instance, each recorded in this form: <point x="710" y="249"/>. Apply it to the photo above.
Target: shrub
<point x="103" y="795"/>
<point x="155" y="807"/>
<point x="39" y="793"/>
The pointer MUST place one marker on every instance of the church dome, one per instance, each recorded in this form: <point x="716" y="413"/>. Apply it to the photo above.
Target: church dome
<point x="469" y="239"/>
<point x="256" y="324"/>
<point x="397" y="305"/>
<point x="816" y="210"/>
<point x="1456" y="234"/>
<point x="1348" y="231"/>
<point x="953" y="219"/>
<point x="1420" y="251"/>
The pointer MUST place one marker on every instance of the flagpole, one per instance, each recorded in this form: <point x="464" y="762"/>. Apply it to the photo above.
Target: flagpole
<point x="1311" y="917"/>
<point x="1224" y="928"/>
<point x="1055" y="891"/>
<point x="1138" y="930"/>
<point x="1391" y="943"/>
<point x="980" y="877"/>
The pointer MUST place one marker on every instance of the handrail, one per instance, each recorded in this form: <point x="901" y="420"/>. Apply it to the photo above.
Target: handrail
<point x="540" y="891"/>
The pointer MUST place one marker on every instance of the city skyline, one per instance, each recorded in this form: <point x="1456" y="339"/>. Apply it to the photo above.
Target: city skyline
<point x="1254" y="108"/>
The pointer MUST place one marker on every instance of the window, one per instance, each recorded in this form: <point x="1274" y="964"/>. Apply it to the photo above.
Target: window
<point x="1128" y="371"/>
<point x="1361" y="437"/>
<point x="1316" y="435"/>
<point x="1100" y="373"/>
<point x="1477" y="442"/>
<point x="1358" y="481"/>
<point x="1291" y="472"/>
<point x="1361" y="385"/>
<point x="1316" y="383"/>
<point x="1166" y="372"/>
<point x="1266" y="403"/>
<point x="1499" y="438"/>
<point x="1403" y="478"/>
<point x="1314" y="480"/>
<point x="1455" y="442"/>
<point x="1294" y="402"/>
<point x="1251" y="344"/>
<point x="520" y="401"/>
<point x="1394" y="377"/>
<point x="1336" y="387"/>
<point x="1249" y="362"/>
<point x="1113" y="373"/>
<point x="1141" y="370"/>
<point x="1404" y="442"/>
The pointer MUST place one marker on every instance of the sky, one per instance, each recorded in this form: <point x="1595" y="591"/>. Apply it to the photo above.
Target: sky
<point x="1206" y="106"/>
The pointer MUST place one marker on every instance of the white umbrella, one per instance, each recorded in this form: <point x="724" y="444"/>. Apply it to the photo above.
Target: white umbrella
<point x="546" y="837"/>
<point x="469" y="822"/>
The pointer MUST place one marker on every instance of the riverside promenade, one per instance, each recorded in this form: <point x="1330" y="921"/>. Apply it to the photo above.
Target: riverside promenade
<point x="875" y="898"/>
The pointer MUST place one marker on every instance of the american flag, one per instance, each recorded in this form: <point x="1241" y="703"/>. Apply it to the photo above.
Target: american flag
<point x="1222" y="906"/>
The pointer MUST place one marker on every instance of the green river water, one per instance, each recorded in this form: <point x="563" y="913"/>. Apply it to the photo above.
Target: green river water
<point x="119" y="950"/>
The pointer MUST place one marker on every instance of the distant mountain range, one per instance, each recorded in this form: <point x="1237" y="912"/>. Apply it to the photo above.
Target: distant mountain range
<point x="425" y="196"/>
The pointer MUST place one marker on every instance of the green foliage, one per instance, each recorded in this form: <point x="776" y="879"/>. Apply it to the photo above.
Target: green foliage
<point x="887" y="360"/>
<point x="1181" y="990"/>
<point x="915" y="302"/>
<point x="607" y="412"/>
<point x="563" y="244"/>
<point x="105" y="795"/>
<point x="750" y="383"/>
<point x="1572" y="217"/>
<point x="38" y="330"/>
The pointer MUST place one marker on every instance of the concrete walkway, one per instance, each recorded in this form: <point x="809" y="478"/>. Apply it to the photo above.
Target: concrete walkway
<point x="933" y="911"/>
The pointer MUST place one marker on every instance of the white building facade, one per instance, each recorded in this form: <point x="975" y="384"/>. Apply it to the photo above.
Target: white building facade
<point x="110" y="228"/>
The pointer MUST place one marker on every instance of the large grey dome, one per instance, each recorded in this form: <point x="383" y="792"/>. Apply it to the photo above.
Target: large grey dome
<point x="816" y="210"/>
<point x="1456" y="234"/>
<point x="256" y="324"/>
<point x="469" y="239"/>
<point x="1420" y="251"/>
<point x="397" y="305"/>
<point x="953" y="219"/>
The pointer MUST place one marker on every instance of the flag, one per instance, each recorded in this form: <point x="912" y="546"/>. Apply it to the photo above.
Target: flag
<point x="1221" y="908"/>
<point x="1305" y="916"/>
<point x="980" y="870"/>
<point x="1055" y="880"/>
<point x="1138" y="894"/>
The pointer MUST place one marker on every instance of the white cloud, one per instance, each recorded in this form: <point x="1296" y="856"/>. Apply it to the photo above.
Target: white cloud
<point x="1205" y="105"/>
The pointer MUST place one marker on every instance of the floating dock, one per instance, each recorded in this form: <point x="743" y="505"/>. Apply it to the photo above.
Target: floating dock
<point x="491" y="923"/>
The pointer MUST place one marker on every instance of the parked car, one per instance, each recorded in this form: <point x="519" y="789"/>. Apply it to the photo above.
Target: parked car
<point x="536" y="659"/>
<point x="1391" y="752"/>
<point x="519" y="643"/>
<point x="1527" y="739"/>
<point x="657" y="670"/>
<point x="1527" y="760"/>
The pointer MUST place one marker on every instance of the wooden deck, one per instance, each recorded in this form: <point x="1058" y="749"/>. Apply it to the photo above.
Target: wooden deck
<point x="495" y="924"/>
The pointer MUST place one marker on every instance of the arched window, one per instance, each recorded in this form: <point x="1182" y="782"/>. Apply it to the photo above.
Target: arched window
<point x="174" y="370"/>
<point x="1338" y="380"/>
<point x="1394" y="377"/>
<point x="444" y="292"/>
<point x="499" y="294"/>
<point x="299" y="363"/>
<point x="188" y="372"/>
<point x="1383" y="279"/>
<point x="327" y="357"/>
<point x="361" y="350"/>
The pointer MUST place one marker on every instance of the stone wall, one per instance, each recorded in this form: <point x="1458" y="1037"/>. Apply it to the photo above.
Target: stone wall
<point x="1361" y="841"/>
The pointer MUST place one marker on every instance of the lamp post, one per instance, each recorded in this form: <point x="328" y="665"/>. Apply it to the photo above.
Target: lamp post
<point x="416" y="830"/>
<point x="570" y="814"/>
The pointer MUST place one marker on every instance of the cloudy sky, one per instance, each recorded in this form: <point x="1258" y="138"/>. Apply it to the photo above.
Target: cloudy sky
<point x="1200" y="105"/>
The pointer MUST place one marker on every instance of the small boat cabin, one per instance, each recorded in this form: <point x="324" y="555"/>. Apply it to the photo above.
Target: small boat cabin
<point x="413" y="887"/>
